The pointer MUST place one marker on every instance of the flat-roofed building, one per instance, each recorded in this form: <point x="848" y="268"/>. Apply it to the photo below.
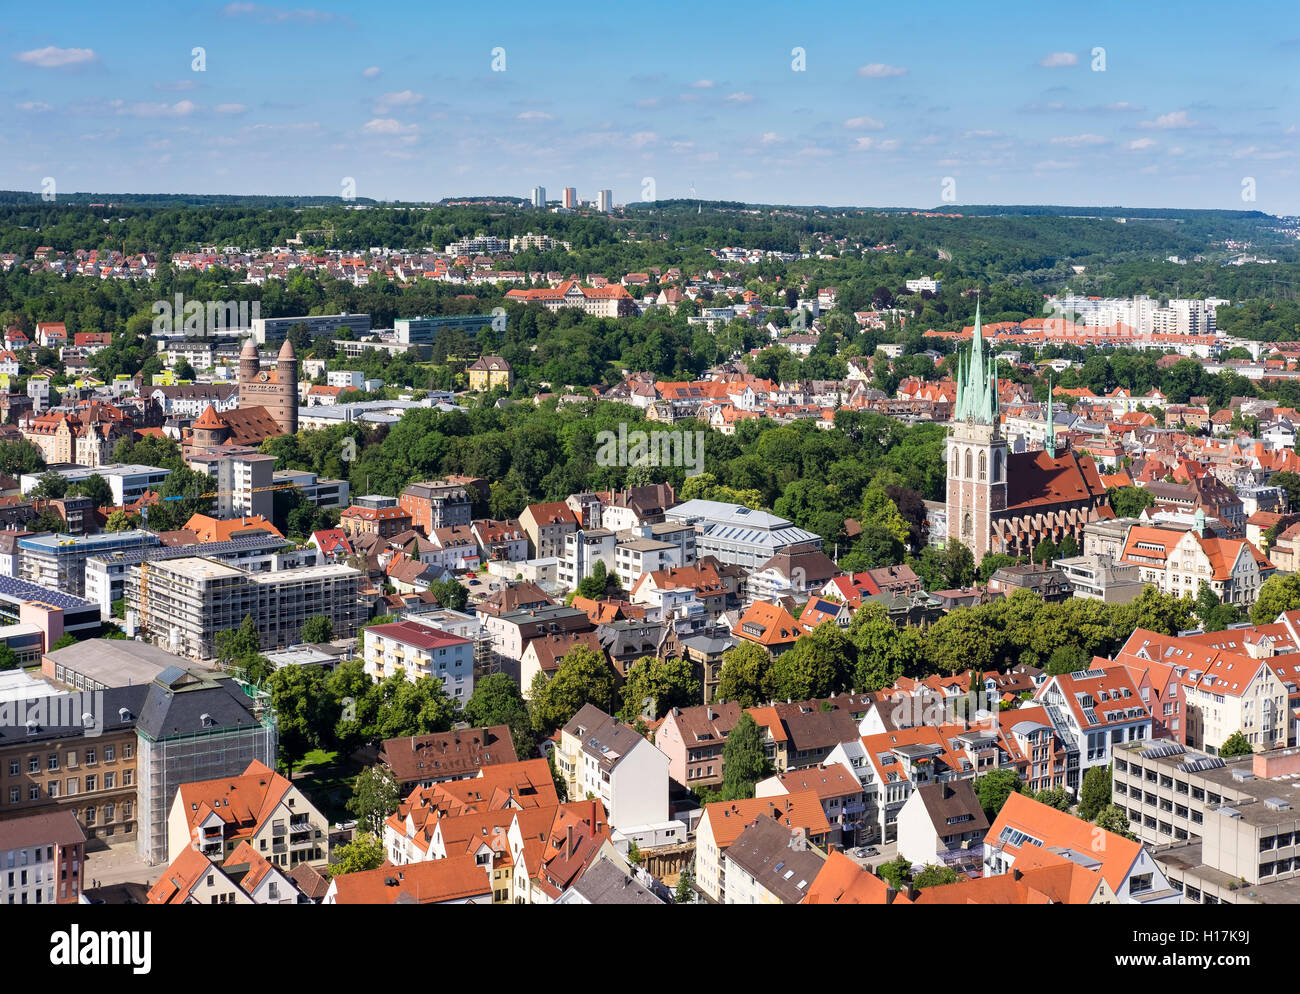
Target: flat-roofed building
<point x="183" y="603"/>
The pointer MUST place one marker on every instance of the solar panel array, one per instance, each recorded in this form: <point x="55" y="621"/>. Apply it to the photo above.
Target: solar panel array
<point x="12" y="588"/>
<point x="1204" y="763"/>
<point x="1165" y="749"/>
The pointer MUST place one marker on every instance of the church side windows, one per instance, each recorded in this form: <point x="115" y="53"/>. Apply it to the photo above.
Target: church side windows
<point x="967" y="524"/>
<point x="984" y="467"/>
<point x="956" y="457"/>
<point x="997" y="466"/>
<point x="969" y="474"/>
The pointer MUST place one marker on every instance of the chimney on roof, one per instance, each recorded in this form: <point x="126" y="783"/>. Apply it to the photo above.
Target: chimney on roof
<point x="1016" y="874"/>
<point x="568" y="849"/>
<point x="890" y="894"/>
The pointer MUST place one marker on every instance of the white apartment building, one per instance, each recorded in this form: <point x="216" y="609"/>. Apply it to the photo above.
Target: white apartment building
<point x="1093" y="711"/>
<point x="41" y="859"/>
<point x="601" y="757"/>
<point x="418" y="651"/>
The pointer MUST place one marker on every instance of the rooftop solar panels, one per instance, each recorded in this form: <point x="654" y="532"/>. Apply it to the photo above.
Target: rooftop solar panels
<point x="12" y="589"/>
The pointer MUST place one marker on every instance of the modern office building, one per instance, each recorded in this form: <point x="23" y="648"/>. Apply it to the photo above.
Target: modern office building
<point x="275" y="329"/>
<point x="241" y="479"/>
<point x="605" y="201"/>
<point x="58" y="562"/>
<point x="183" y="603"/>
<point x="539" y="197"/>
<point x="106" y="575"/>
<point x="21" y="601"/>
<point x="570" y="198"/>
<point x="424" y="331"/>
<point x="128" y="482"/>
<point x="1223" y="832"/>
<point x="737" y="534"/>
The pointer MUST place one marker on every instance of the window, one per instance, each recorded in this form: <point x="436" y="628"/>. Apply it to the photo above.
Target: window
<point x="13" y="795"/>
<point x="968" y="464"/>
<point x="90" y="815"/>
<point x="90" y="757"/>
<point x="110" y="753"/>
<point x="110" y="781"/>
<point x="92" y="783"/>
<point x="34" y="764"/>
<point x="34" y="792"/>
<point x="984" y="466"/>
<point x="13" y="767"/>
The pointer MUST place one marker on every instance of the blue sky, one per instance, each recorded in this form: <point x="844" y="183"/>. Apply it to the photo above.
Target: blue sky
<point x="699" y="97"/>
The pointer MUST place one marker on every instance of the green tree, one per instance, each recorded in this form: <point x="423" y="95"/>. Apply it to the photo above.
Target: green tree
<point x="497" y="701"/>
<point x="1112" y="818"/>
<point x="50" y="486"/>
<point x="885" y="652"/>
<point x="1056" y="797"/>
<point x="561" y="785"/>
<point x="1066" y="659"/>
<point x="933" y="875"/>
<point x="820" y="664"/>
<point x="685" y="887"/>
<point x="450" y="594"/>
<point x="375" y="796"/>
<point x="1214" y="615"/>
<point x="746" y="675"/>
<point x="408" y="707"/>
<point x="583" y="677"/>
<point x="304" y="711"/>
<point x="1278" y="594"/>
<point x="1236" y="744"/>
<point x="668" y="683"/>
<point x="1095" y="793"/>
<point x="744" y="760"/>
<point x="897" y="872"/>
<point x="63" y="641"/>
<point x="993" y="789"/>
<point x="317" y="628"/>
<point x="1045" y="551"/>
<point x="595" y="585"/>
<point x="118" y="521"/>
<point x="1129" y="502"/>
<point x="234" y="645"/>
<point x="364" y="852"/>
<point x="8" y="658"/>
<point x="96" y="488"/>
<point x="1290" y="482"/>
<point x="634" y="853"/>
<point x="1069" y="547"/>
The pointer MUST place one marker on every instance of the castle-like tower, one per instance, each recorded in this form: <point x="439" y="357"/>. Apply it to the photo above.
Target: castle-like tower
<point x="977" y="452"/>
<point x="275" y="389"/>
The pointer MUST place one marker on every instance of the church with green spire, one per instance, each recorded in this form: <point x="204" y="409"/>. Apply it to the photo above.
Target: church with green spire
<point x="1004" y="501"/>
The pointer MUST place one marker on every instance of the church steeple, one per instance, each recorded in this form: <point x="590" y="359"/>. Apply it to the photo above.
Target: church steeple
<point x="977" y="397"/>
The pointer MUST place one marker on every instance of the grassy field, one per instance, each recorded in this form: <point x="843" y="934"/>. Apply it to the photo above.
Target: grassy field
<point x="327" y="781"/>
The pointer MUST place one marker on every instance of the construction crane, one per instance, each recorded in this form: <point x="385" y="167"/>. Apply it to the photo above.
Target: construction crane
<point x="224" y="493"/>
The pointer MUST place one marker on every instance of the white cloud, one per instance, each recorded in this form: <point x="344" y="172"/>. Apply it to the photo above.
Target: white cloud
<point x="863" y="124"/>
<point x="1054" y="164"/>
<point x="880" y="70"/>
<point x="230" y="108"/>
<point x="57" y="58"/>
<point x="770" y="138"/>
<point x="182" y="108"/>
<point x="979" y="133"/>
<point x="884" y="145"/>
<point x="703" y="84"/>
<point x="1141" y="143"/>
<point x="648" y="102"/>
<point x="1174" y="119"/>
<point x="641" y="139"/>
<point x="371" y="72"/>
<point x="388" y="126"/>
<point x="1079" y="141"/>
<point x="1058" y="59"/>
<point x="391" y="101"/>
<point x="34" y="107"/>
<point x="740" y="97"/>
<point x="534" y="115"/>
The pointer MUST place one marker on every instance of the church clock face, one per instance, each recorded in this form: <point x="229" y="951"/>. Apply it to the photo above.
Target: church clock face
<point x="264" y="376"/>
